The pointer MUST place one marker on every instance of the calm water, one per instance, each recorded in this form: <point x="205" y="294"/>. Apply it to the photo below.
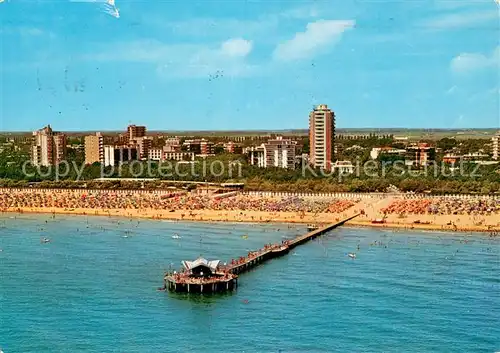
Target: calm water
<point x="94" y="290"/>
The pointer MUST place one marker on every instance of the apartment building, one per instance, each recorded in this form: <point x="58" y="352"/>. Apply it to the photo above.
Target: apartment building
<point x="199" y="146"/>
<point x="48" y="147"/>
<point x="134" y="131"/>
<point x="321" y="136"/>
<point x="114" y="155"/>
<point x="278" y="152"/>
<point x="495" y="140"/>
<point x="419" y="154"/>
<point x="94" y="149"/>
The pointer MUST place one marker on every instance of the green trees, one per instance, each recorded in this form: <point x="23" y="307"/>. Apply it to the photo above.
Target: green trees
<point x="468" y="178"/>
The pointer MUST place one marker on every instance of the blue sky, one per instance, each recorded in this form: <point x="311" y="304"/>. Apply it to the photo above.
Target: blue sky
<point x="226" y="65"/>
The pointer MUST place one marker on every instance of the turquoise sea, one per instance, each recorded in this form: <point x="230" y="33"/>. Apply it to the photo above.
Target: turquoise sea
<point x="93" y="288"/>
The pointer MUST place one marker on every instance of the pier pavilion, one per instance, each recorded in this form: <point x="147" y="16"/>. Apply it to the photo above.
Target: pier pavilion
<point x="201" y="276"/>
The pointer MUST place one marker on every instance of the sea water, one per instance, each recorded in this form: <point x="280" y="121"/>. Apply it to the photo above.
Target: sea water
<point x="93" y="288"/>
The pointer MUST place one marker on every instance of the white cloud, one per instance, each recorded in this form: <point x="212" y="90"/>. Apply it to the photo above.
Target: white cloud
<point x="236" y="47"/>
<point x="468" y="62"/>
<point x="461" y="20"/>
<point x="183" y="60"/>
<point x="318" y="36"/>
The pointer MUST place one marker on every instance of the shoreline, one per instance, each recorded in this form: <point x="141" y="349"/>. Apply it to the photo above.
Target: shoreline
<point x="422" y="227"/>
<point x="240" y="216"/>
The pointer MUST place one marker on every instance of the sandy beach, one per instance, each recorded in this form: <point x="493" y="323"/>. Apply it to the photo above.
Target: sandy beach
<point x="437" y="223"/>
<point x="438" y="214"/>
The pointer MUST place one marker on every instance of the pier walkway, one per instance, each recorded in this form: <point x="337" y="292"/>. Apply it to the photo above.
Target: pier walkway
<point x="278" y="250"/>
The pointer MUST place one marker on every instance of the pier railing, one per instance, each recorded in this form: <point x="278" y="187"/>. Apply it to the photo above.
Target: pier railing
<point x="283" y="249"/>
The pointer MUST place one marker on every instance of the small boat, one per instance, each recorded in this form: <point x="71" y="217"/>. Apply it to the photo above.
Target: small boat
<point x="352" y="255"/>
<point x="45" y="240"/>
<point x="378" y="221"/>
<point x="311" y="227"/>
<point x="245" y="236"/>
<point x="175" y="236"/>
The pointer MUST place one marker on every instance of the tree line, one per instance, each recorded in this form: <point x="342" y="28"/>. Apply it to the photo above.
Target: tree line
<point x="470" y="178"/>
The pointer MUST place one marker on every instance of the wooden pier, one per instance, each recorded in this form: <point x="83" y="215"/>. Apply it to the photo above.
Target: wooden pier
<point x="225" y="278"/>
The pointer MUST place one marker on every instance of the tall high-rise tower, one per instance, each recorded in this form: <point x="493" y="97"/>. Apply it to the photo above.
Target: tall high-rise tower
<point x="321" y="137"/>
<point x="495" y="142"/>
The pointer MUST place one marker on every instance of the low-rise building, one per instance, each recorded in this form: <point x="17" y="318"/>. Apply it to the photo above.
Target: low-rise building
<point x="257" y="155"/>
<point x="343" y="167"/>
<point x="231" y="147"/>
<point x="206" y="147"/>
<point x="114" y="155"/>
<point x="401" y="138"/>
<point x="469" y="157"/>
<point x="163" y="154"/>
<point x="199" y="146"/>
<point x="172" y="144"/>
<point x="377" y="151"/>
<point x="451" y="158"/>
<point x="178" y="156"/>
<point x="419" y="154"/>
<point x="155" y="154"/>
<point x="476" y="156"/>
<point x="354" y="148"/>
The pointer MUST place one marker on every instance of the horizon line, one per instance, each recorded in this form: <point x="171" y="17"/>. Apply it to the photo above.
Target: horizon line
<point x="265" y="130"/>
